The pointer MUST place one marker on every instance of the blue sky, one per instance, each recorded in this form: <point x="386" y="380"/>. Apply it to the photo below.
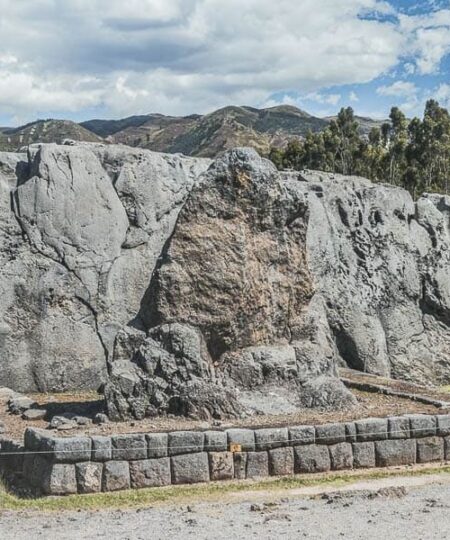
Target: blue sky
<point x="80" y="59"/>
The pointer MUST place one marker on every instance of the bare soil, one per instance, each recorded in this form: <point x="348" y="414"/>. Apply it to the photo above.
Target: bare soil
<point x="88" y="404"/>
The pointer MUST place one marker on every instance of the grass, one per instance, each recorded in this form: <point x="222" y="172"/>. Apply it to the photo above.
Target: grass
<point x="445" y="389"/>
<point x="183" y="494"/>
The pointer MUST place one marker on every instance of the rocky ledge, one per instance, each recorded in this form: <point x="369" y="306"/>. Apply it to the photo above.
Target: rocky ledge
<point x="214" y="289"/>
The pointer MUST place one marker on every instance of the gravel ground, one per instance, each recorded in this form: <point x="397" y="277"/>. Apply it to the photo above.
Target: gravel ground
<point x="418" y="511"/>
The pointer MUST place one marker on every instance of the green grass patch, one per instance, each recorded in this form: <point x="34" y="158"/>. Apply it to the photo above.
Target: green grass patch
<point x="184" y="494"/>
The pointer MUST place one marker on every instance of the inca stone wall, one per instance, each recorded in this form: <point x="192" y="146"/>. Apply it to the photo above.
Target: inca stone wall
<point x="62" y="466"/>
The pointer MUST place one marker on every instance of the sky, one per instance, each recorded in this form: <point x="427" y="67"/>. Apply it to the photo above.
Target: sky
<point x="82" y="59"/>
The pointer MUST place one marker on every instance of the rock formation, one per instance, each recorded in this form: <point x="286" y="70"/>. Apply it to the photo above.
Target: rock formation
<point x="214" y="290"/>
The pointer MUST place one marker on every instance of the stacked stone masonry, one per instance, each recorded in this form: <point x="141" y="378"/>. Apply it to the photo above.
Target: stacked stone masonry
<point x="61" y="466"/>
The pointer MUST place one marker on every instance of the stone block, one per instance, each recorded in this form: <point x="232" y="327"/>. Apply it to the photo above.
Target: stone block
<point x="257" y="465"/>
<point x="363" y="455"/>
<point x="185" y="442"/>
<point x="244" y="437"/>
<point x="422" y="425"/>
<point x="395" y="452"/>
<point x="447" y="448"/>
<point x="443" y="425"/>
<point x="302" y="435"/>
<point x="150" y="473"/>
<point x="216" y="441"/>
<point x="371" y="429"/>
<point x="430" y="449"/>
<point x="101" y="448"/>
<point x="240" y="465"/>
<point x="71" y="449"/>
<point x="116" y="476"/>
<point x="157" y="444"/>
<point x="60" y="479"/>
<point x="341" y="456"/>
<point x="36" y="469"/>
<point x="350" y="432"/>
<point x="38" y="440"/>
<point x="89" y="477"/>
<point x="267" y="439"/>
<point x="281" y="461"/>
<point x="221" y="465"/>
<point x="190" y="468"/>
<point x="330" y="434"/>
<point x="311" y="458"/>
<point x="399" y="427"/>
<point x="129" y="447"/>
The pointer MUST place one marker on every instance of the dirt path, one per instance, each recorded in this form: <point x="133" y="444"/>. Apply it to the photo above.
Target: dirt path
<point x="416" y="508"/>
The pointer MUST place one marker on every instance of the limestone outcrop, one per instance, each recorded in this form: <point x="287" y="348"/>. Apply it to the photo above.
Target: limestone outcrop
<point x="81" y="229"/>
<point x="214" y="289"/>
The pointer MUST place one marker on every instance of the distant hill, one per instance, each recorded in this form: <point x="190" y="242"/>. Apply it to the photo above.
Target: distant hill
<point x="12" y="139"/>
<point x="194" y="135"/>
<point x="213" y="133"/>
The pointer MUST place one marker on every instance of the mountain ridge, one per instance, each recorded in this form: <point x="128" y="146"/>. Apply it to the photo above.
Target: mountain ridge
<point x="195" y="135"/>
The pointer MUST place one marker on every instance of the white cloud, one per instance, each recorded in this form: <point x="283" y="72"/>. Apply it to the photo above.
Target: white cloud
<point x="183" y="56"/>
<point x="325" y="99"/>
<point x="398" y="89"/>
<point x="353" y="97"/>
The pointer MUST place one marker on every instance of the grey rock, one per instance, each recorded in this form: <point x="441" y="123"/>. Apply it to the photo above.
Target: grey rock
<point x="89" y="477"/>
<point x="311" y="458"/>
<point x="116" y="476"/>
<point x="443" y="425"/>
<point x="350" y="432"/>
<point x="243" y="437"/>
<point x="101" y="418"/>
<point x="106" y="254"/>
<point x="60" y="420"/>
<point x="330" y="434"/>
<point x="71" y="449"/>
<point x="257" y="465"/>
<point x="185" y="442"/>
<point x="281" y="461"/>
<point x="372" y="429"/>
<point x="240" y="465"/>
<point x="19" y="404"/>
<point x="221" y="465"/>
<point x="87" y="227"/>
<point x="129" y="447"/>
<point x="399" y="427"/>
<point x="447" y="448"/>
<point x="364" y="455"/>
<point x="395" y="452"/>
<point x="269" y="438"/>
<point x="157" y="445"/>
<point x="60" y="479"/>
<point x="216" y="441"/>
<point x="422" y="425"/>
<point x="302" y="435"/>
<point x="38" y="440"/>
<point x="81" y="420"/>
<point x="34" y="414"/>
<point x="341" y="456"/>
<point x="2" y="428"/>
<point x="190" y="468"/>
<point x="150" y="473"/>
<point x="430" y="449"/>
<point x="101" y="448"/>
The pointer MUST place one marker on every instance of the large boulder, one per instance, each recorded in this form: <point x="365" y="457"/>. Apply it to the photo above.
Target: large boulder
<point x="72" y="271"/>
<point x="279" y="278"/>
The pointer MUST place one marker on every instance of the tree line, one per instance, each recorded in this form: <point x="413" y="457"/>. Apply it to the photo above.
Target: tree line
<point x="414" y="154"/>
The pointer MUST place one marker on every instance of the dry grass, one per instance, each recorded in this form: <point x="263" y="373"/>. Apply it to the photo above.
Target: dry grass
<point x="190" y="494"/>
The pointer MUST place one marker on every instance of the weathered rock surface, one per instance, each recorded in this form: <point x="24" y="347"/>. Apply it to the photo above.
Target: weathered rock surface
<point x="81" y="228"/>
<point x="214" y="292"/>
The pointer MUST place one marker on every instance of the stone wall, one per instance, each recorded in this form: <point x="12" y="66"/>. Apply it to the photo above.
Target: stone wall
<point x="61" y="466"/>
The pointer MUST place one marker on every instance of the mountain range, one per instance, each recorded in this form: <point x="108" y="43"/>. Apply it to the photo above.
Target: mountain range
<point x="195" y="135"/>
